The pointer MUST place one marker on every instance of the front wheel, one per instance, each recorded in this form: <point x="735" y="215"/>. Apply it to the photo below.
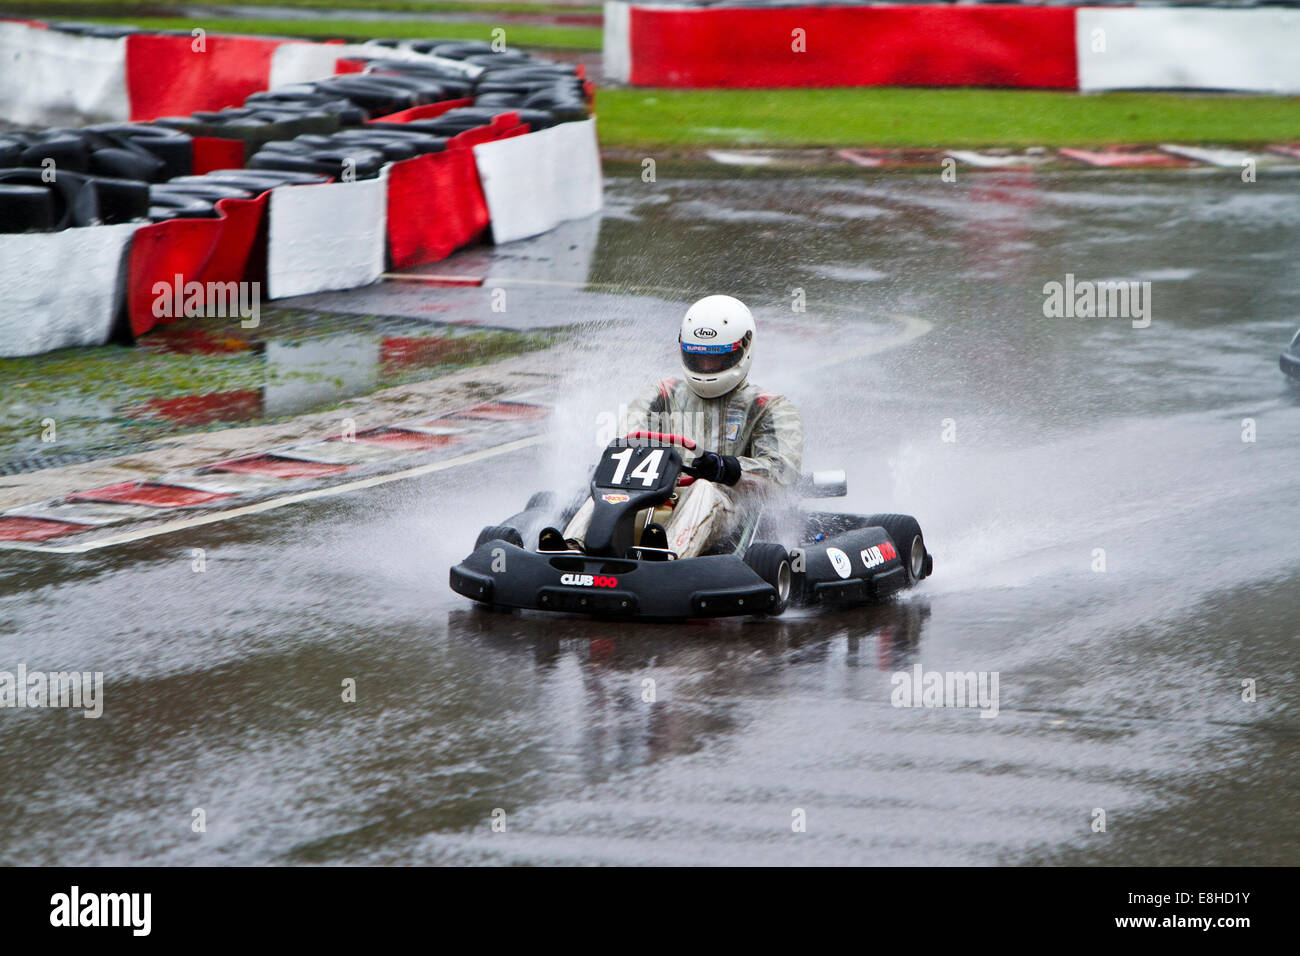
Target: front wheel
<point x="771" y="562"/>
<point x="906" y="534"/>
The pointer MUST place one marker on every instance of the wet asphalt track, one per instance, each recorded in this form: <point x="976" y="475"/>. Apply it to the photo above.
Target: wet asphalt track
<point x="1119" y="690"/>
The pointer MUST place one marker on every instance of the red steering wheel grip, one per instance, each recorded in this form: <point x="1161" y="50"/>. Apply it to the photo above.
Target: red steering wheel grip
<point x="663" y="439"/>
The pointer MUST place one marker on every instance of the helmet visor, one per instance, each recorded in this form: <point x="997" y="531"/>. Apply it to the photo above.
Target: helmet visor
<point x="712" y="359"/>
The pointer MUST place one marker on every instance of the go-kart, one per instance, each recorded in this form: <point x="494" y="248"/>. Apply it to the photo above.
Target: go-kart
<point x="829" y="558"/>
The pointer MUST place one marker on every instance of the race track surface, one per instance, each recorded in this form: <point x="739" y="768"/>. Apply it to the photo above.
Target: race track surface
<point x="1112" y="510"/>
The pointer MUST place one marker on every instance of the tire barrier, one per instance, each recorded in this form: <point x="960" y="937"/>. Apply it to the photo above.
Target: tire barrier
<point x="1078" y="48"/>
<point x="315" y="185"/>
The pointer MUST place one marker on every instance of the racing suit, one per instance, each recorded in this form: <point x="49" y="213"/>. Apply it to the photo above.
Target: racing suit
<point x="761" y="429"/>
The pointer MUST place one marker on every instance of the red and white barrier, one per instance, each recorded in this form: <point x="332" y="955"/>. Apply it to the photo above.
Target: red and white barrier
<point x="61" y="289"/>
<point x="69" y="288"/>
<point x="326" y="237"/>
<point x="1082" y="48"/>
<point x="534" y="182"/>
<point x="53" y="78"/>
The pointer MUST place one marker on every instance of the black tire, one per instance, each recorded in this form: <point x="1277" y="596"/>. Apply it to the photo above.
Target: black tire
<point x="115" y="201"/>
<point x="906" y="534"/>
<point x="452" y="49"/>
<point x="174" y="149"/>
<point x="68" y="153"/>
<point x="127" y="164"/>
<point x="212" y="192"/>
<point x="771" y="562"/>
<point x="499" y="532"/>
<point x="26" y="208"/>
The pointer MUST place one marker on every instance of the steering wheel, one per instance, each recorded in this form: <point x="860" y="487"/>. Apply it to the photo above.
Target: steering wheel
<point x="663" y="438"/>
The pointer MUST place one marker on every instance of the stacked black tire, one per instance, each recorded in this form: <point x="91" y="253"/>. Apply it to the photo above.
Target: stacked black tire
<point x="304" y="133"/>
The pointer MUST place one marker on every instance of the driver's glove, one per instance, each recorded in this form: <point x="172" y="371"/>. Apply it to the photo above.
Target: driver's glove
<point x="723" y="469"/>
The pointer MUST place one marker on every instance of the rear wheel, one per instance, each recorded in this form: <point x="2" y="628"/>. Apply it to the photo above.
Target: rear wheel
<point x="771" y="562"/>
<point x="906" y="534"/>
<point x="495" y="532"/>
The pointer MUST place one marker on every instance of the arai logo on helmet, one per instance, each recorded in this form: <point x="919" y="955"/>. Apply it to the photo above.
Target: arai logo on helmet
<point x="589" y="580"/>
<point x="705" y="333"/>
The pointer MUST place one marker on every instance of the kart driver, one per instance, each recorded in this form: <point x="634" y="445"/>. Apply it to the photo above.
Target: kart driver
<point x="755" y="437"/>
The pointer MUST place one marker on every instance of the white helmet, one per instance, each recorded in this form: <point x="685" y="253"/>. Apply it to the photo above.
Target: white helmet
<point x="717" y="341"/>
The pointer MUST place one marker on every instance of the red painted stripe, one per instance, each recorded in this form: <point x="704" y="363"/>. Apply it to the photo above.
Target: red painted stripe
<point x="166" y="76"/>
<point x="197" y="410"/>
<point x="278" y="467"/>
<point x="1122" y="157"/>
<point x="854" y="46"/>
<point x="397" y="438"/>
<point x="35" y="529"/>
<point x="427" y="111"/>
<point x="163" y="256"/>
<point x="148" y="493"/>
<point x="211" y="152"/>
<point x="506" y="411"/>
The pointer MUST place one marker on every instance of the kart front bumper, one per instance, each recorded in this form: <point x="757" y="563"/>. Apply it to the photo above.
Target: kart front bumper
<point x="504" y="575"/>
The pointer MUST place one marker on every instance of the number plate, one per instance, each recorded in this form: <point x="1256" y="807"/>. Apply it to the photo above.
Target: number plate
<point x="637" y="468"/>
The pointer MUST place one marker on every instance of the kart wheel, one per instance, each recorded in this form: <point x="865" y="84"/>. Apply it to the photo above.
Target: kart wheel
<point x="906" y="534"/>
<point x="499" y="532"/>
<point x="771" y="562"/>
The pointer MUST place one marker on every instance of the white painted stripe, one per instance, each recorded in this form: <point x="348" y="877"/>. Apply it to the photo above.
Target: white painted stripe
<point x="342" y="452"/>
<point x="224" y="482"/>
<point x="83" y="512"/>
<point x="1227" y="158"/>
<point x="302" y="62"/>
<point x="534" y="182"/>
<point x="1127" y="48"/>
<point x="199" y="520"/>
<point x="991" y="161"/>
<point x="49" y="77"/>
<point x="431" y="429"/>
<point x="617" y="44"/>
<point x="729" y="157"/>
<point x="326" y="237"/>
<point x="50" y="303"/>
